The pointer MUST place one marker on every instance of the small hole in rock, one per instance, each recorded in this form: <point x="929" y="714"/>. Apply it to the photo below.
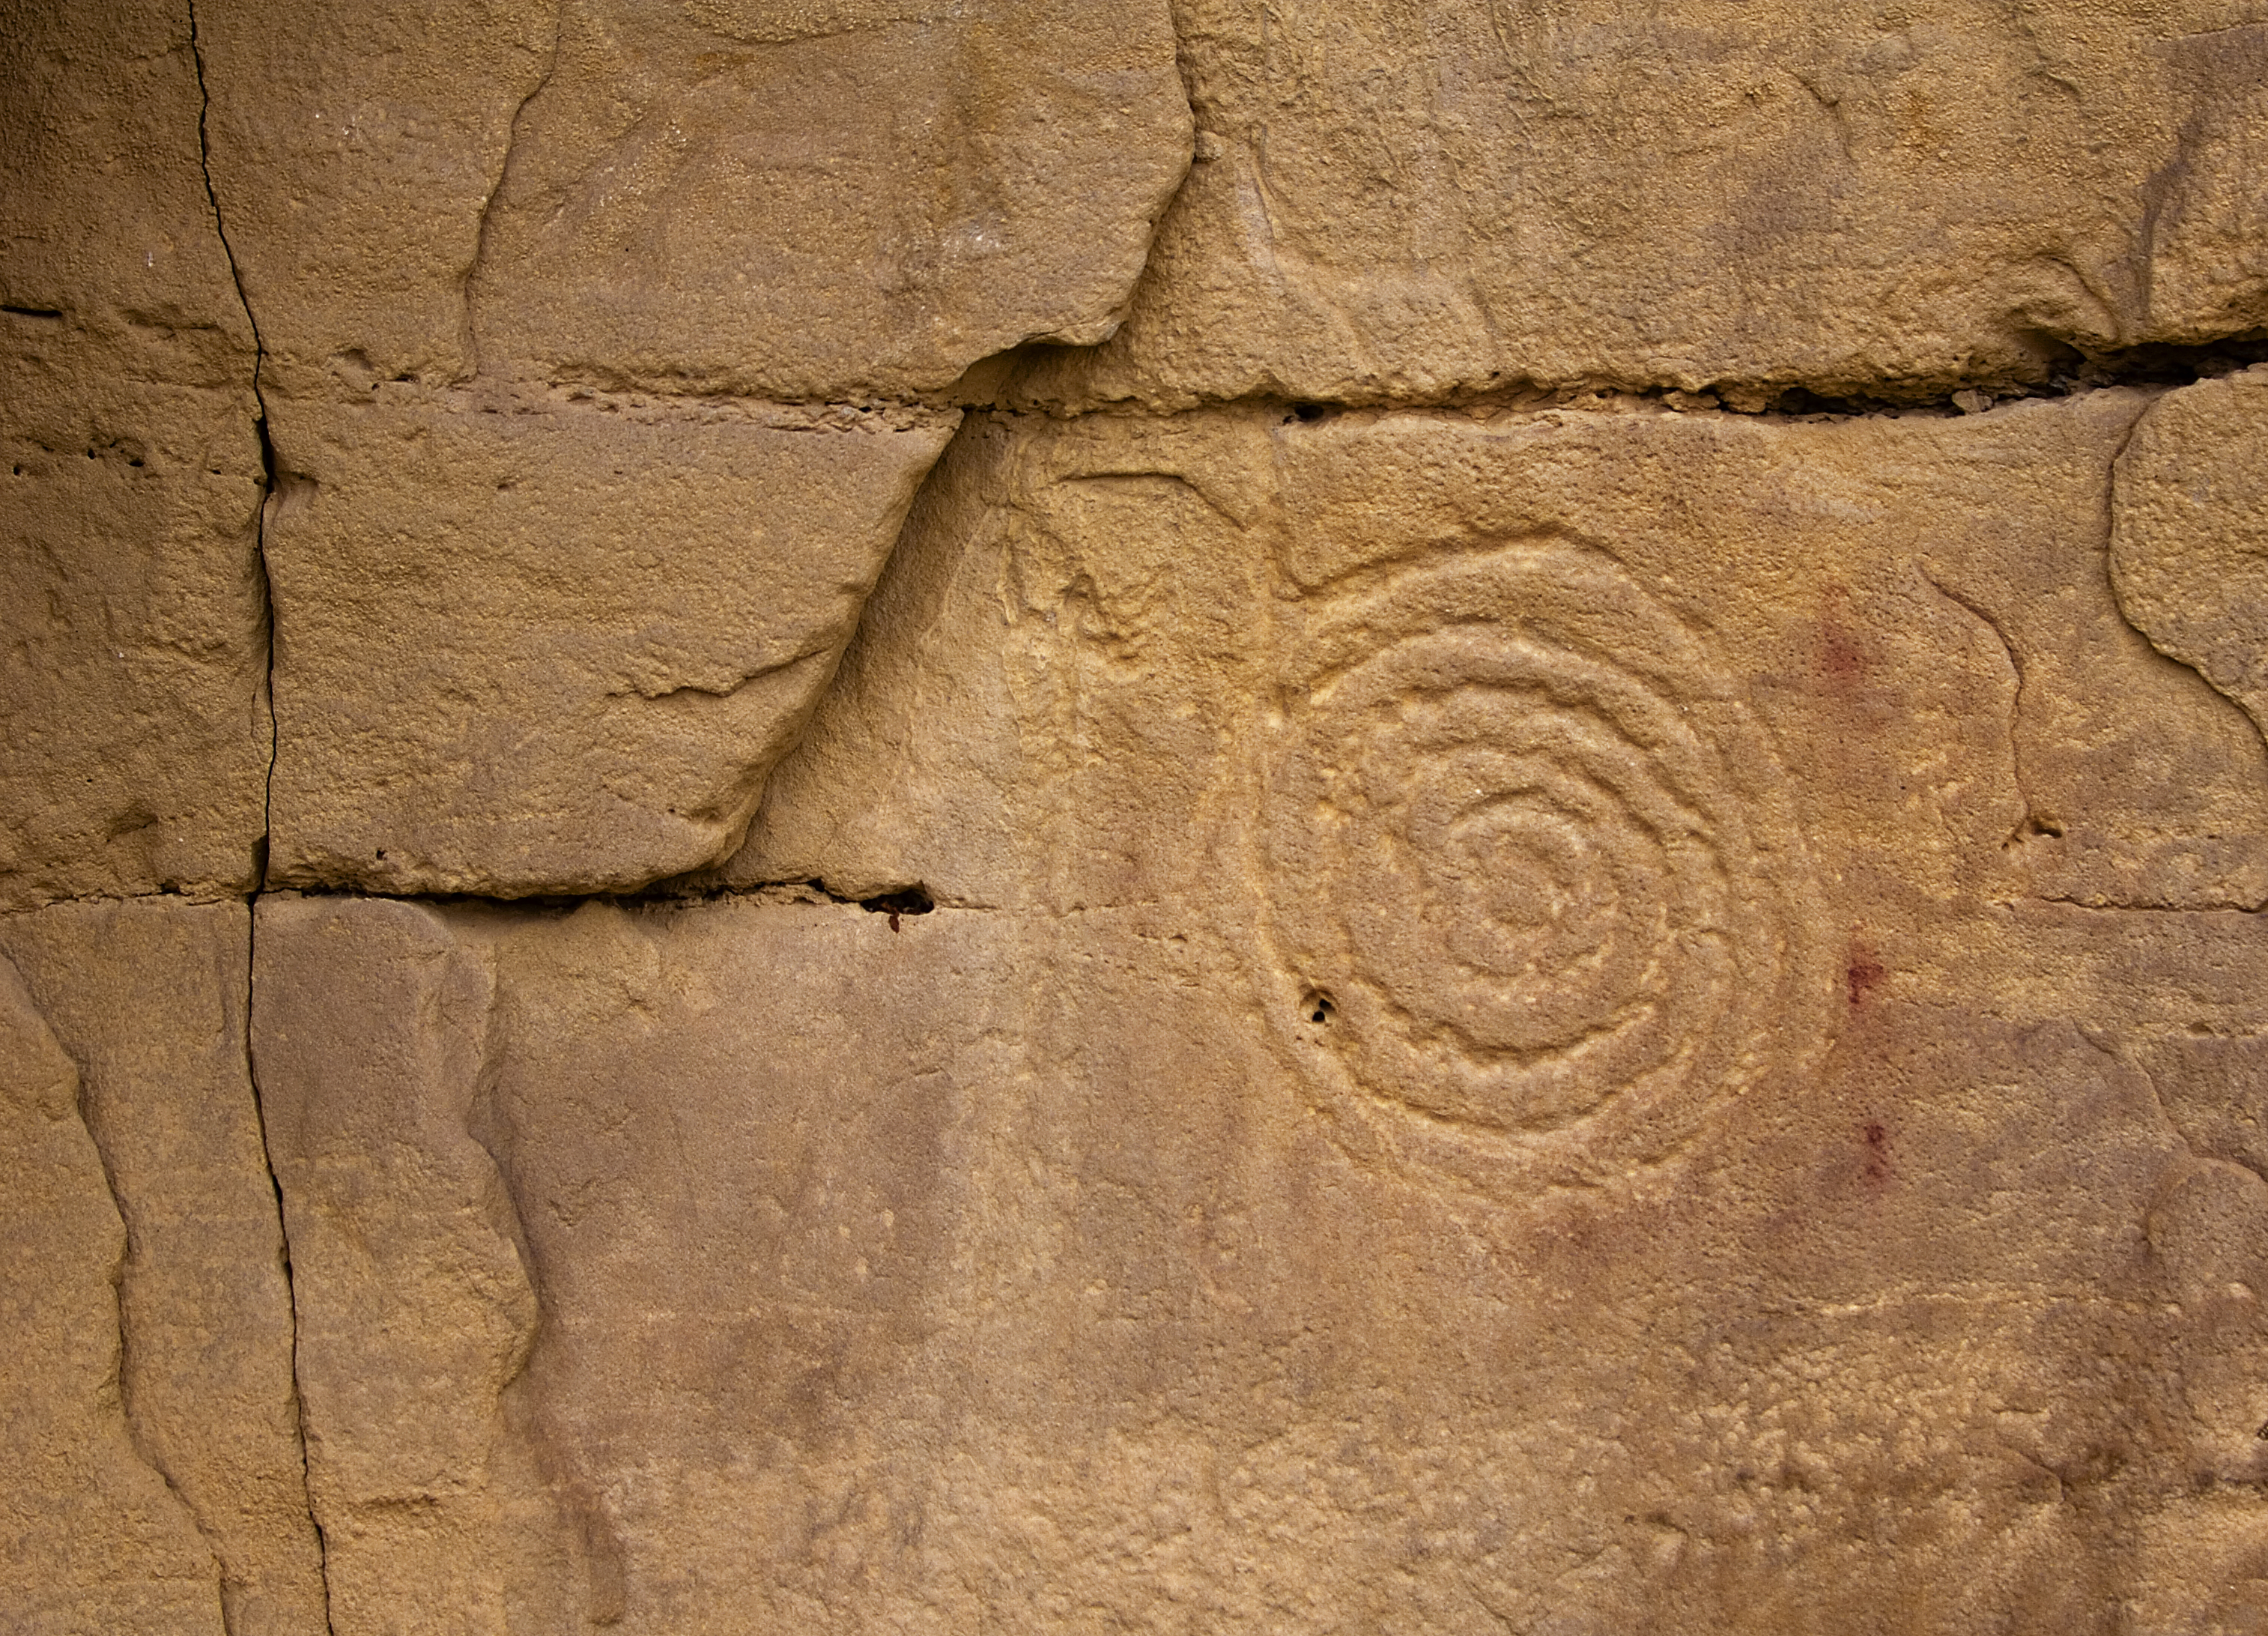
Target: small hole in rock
<point x="1309" y="411"/>
<point x="1318" y="1007"/>
<point x="906" y="900"/>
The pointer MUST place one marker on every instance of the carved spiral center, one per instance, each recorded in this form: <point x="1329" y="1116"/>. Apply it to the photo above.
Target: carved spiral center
<point x="1511" y="834"/>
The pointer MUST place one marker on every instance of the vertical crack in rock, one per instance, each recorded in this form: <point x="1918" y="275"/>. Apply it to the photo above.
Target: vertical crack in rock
<point x="468" y="336"/>
<point x="267" y="488"/>
<point x="131" y="1251"/>
<point x="260" y="424"/>
<point x="282" y="1239"/>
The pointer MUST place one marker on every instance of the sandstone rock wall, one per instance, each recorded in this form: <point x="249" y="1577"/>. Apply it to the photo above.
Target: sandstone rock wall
<point x="1035" y="815"/>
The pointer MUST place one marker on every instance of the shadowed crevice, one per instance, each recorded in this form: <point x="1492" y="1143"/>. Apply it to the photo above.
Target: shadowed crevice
<point x="268" y="489"/>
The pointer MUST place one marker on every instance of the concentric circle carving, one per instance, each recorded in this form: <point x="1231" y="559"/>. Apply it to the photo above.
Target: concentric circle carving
<point x="1532" y="878"/>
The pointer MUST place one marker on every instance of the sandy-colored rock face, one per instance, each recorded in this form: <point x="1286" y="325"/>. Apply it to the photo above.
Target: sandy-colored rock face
<point x="557" y="645"/>
<point x="147" y="999"/>
<point x="154" y="1472"/>
<point x="1398" y="200"/>
<point x="132" y="640"/>
<point x="1042" y="816"/>
<point x="798" y="201"/>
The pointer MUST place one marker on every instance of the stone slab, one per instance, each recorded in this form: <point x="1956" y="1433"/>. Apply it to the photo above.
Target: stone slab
<point x="414" y="1308"/>
<point x="555" y="643"/>
<point x="92" y="1536"/>
<point x="133" y="643"/>
<point x="1595" y="1021"/>
<point x="1398" y="201"/>
<point x="808" y="202"/>
<point x="148" y="998"/>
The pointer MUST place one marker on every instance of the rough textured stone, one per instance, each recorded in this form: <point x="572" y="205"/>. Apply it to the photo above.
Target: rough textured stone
<point x="148" y="999"/>
<point x="1396" y="200"/>
<point x="804" y="202"/>
<point x="132" y="639"/>
<point x="1537" y="1021"/>
<point x="1523" y="892"/>
<point x="1072" y="1303"/>
<point x="555" y="645"/>
<point x="414" y="1308"/>
<point x="1918" y="611"/>
<point x="92" y="1537"/>
<point x="2190" y="548"/>
<point x="354" y="150"/>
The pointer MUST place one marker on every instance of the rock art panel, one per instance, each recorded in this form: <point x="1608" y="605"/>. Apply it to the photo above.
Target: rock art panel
<point x="148" y="999"/>
<point x="131" y="614"/>
<point x="1743" y="1178"/>
<point x="1405" y="201"/>
<point x="993" y="1179"/>
<point x="94" y="1538"/>
<point x="791" y="202"/>
<point x="1530" y="865"/>
<point x="555" y="643"/>
<point x="1316" y="898"/>
<point x="1917" y="611"/>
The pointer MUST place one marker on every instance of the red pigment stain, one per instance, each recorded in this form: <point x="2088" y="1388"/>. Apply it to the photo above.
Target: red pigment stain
<point x="1878" y="1151"/>
<point x="1840" y="656"/>
<point x="1862" y="973"/>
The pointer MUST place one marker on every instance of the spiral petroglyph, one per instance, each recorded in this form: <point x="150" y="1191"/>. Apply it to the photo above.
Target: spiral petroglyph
<point x="1531" y="868"/>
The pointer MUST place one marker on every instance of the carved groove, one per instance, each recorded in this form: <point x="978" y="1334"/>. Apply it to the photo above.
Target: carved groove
<point x="1522" y="834"/>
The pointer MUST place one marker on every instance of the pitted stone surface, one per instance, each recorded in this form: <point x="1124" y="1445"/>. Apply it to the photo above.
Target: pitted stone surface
<point x="148" y="997"/>
<point x="132" y="641"/>
<point x="556" y="645"/>
<point x="1025" y="815"/>
<point x="785" y="200"/>
<point x="95" y="1538"/>
<point x="2189" y="551"/>
<point x="1399" y="201"/>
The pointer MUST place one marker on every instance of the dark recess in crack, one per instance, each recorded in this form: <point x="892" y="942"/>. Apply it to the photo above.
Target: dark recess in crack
<point x="267" y="485"/>
<point x="911" y="900"/>
<point x="674" y="892"/>
<point x="2067" y="372"/>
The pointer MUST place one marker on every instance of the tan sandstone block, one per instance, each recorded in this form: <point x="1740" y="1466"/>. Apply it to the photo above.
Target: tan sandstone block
<point x="555" y="644"/>
<point x="148" y="998"/>
<point x="735" y="1206"/>
<point x="354" y="151"/>
<point x="1398" y="199"/>
<point x="131" y="613"/>
<point x="828" y="201"/>
<point x="92" y="1537"/>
